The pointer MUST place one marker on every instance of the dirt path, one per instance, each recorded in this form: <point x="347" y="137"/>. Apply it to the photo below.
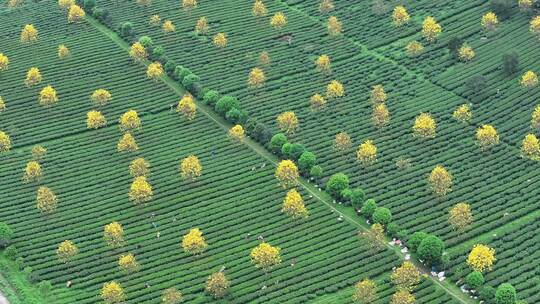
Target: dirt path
<point x="3" y="299"/>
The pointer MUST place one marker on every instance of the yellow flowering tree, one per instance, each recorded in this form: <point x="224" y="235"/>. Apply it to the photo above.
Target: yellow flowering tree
<point x="217" y="285"/>
<point x="154" y="71"/>
<point x="47" y="96"/>
<point x="5" y="142"/>
<point x="193" y="242"/>
<point x="46" y="200"/>
<point x="2" y="105"/>
<point x="406" y="276"/>
<point x="487" y="137"/>
<point x="4" y="62"/>
<point x="112" y="293"/>
<point x="460" y="216"/>
<point x="190" y="168"/>
<point x="366" y="153"/>
<point x="29" y="34"/>
<point x="424" y="126"/>
<point x="378" y="95"/>
<point x="101" y="97"/>
<point x="535" y="118"/>
<point x="334" y="26"/>
<point x="129" y="121"/>
<point x="375" y="237"/>
<point x="431" y="29"/>
<point x="400" y="16"/>
<point x="466" y="53"/>
<point x="326" y="6"/>
<point x="481" y="258"/>
<point x="128" y="264"/>
<point x="155" y="20"/>
<point x="140" y="191"/>
<point x="525" y="5"/>
<point x="463" y="113"/>
<point x="530" y="148"/>
<point x="139" y="167"/>
<point x="440" y="181"/>
<point x="113" y="234"/>
<point x="201" y="28"/>
<point x="259" y="10"/>
<point x="342" y="142"/>
<point x="256" y="78"/>
<point x="293" y="205"/>
<point x="171" y="296"/>
<point x="236" y="133"/>
<point x="186" y="106"/>
<point x="323" y="65"/>
<point x="365" y="292"/>
<point x="287" y="174"/>
<point x="489" y="21"/>
<point x="137" y="52"/>
<point x="32" y="172"/>
<point x="264" y="58"/>
<point x="414" y="48"/>
<point x="168" y="27"/>
<point x="402" y="297"/>
<point x="287" y="122"/>
<point x="335" y="89"/>
<point x="278" y="21"/>
<point x="534" y="26"/>
<point x="76" y="14"/>
<point x="65" y="4"/>
<point x="33" y="77"/>
<point x="220" y="40"/>
<point x="529" y="80"/>
<point x="317" y="102"/>
<point x="189" y="4"/>
<point x="38" y="152"/>
<point x="66" y="251"/>
<point x="380" y="116"/>
<point x="63" y="51"/>
<point x="265" y="256"/>
<point x="127" y="143"/>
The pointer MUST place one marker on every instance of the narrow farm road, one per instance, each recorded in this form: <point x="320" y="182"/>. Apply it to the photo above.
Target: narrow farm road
<point x="346" y="213"/>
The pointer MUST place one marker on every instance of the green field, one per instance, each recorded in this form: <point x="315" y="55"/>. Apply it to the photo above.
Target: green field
<point x="236" y="195"/>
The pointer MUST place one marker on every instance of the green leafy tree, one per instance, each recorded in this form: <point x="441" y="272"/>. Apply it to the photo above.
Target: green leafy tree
<point x="277" y="141"/>
<point x="475" y="280"/>
<point x="415" y="239"/>
<point x="382" y="216"/>
<point x="306" y="161"/>
<point x="368" y="207"/>
<point x="337" y="183"/>
<point x="431" y="249"/>
<point x="505" y="294"/>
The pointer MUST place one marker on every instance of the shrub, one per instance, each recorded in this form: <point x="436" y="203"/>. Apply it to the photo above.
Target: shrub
<point x="336" y="184"/>
<point x="415" y="239"/>
<point x="392" y="229"/>
<point x="261" y="133"/>
<point x="89" y="5"/>
<point x="44" y="287"/>
<point x="474" y="280"/>
<point x="316" y="171"/>
<point x="510" y="63"/>
<point x="346" y="195"/>
<point x="226" y="103"/>
<point x="169" y="67"/>
<point x="382" y="216"/>
<point x="501" y="8"/>
<point x="477" y="84"/>
<point x="487" y="293"/>
<point x="19" y="263"/>
<point x="306" y="161"/>
<point x="357" y="198"/>
<point x="296" y="151"/>
<point x="5" y="235"/>
<point x="210" y="98"/>
<point x="286" y="150"/>
<point x="11" y="252"/>
<point x="126" y="30"/>
<point x="431" y="249"/>
<point x="368" y="208"/>
<point x="192" y="83"/>
<point x="236" y="116"/>
<point x="453" y="46"/>
<point x="146" y="41"/>
<point x="277" y="141"/>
